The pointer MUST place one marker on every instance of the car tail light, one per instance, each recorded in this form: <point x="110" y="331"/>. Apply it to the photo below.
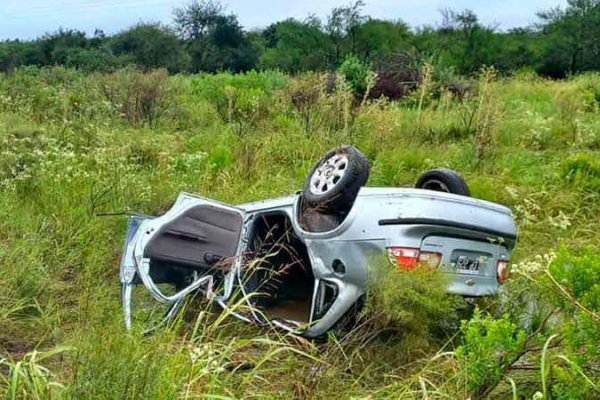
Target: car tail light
<point x="409" y="258"/>
<point x="432" y="260"/>
<point x="502" y="271"/>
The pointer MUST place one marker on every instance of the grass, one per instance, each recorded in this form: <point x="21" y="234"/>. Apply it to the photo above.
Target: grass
<point x="73" y="146"/>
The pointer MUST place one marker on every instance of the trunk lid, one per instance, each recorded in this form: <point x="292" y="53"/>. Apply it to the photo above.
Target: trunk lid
<point x="466" y="257"/>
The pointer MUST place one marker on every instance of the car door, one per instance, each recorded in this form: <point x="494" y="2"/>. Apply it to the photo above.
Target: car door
<point x="192" y="246"/>
<point x="200" y="237"/>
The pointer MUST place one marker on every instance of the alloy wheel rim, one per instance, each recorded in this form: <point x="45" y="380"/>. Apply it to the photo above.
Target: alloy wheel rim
<point x="329" y="174"/>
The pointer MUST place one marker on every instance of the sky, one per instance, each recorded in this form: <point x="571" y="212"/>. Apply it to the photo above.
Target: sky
<point x="26" y="19"/>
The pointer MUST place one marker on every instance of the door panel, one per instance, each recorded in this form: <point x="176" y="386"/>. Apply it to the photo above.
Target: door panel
<point x="199" y="238"/>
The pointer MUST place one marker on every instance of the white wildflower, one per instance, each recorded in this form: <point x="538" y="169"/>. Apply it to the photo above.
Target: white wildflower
<point x="561" y="221"/>
<point x="539" y="263"/>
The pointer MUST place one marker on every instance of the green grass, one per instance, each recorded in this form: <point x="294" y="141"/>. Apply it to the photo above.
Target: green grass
<point x="73" y="146"/>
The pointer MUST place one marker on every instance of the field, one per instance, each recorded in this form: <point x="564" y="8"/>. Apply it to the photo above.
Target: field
<point x="75" y="147"/>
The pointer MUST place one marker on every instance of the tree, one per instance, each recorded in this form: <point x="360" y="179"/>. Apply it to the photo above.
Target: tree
<point x="151" y="46"/>
<point x="295" y="46"/>
<point x="56" y="46"/>
<point x="95" y="59"/>
<point x="215" y="40"/>
<point x="377" y="39"/>
<point x="15" y="53"/>
<point x="571" y="38"/>
<point x="461" y="42"/>
<point x="342" y="26"/>
<point x="519" y="48"/>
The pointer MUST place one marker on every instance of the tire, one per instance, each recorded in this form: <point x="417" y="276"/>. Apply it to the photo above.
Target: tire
<point x="334" y="182"/>
<point x="443" y="180"/>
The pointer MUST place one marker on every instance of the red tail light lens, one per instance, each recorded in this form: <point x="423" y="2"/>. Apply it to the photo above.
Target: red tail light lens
<point x="502" y="271"/>
<point x="405" y="257"/>
<point x="409" y="258"/>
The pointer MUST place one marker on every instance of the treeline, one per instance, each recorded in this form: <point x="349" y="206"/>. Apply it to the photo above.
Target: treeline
<point x="205" y="37"/>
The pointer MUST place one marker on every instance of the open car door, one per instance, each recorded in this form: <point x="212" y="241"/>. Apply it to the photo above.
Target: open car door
<point x="193" y="246"/>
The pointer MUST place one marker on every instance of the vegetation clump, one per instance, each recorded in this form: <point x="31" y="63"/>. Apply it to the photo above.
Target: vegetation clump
<point x="582" y="170"/>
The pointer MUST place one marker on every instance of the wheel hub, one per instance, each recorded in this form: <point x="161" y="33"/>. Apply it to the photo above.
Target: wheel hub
<point x="329" y="174"/>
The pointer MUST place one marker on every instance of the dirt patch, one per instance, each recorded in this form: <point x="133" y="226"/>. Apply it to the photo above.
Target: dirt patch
<point x="14" y="349"/>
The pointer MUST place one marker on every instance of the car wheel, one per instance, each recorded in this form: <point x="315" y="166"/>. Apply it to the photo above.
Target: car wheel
<point x="443" y="180"/>
<point x="335" y="180"/>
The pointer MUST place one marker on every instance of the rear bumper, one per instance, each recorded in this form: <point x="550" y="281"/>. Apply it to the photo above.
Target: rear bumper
<point x="474" y="286"/>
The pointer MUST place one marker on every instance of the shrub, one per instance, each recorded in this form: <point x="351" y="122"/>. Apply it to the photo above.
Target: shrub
<point x="571" y="284"/>
<point x="212" y="86"/>
<point x="591" y="83"/>
<point x="413" y="302"/>
<point x="571" y="102"/>
<point x="489" y="348"/>
<point x="141" y="98"/>
<point x="358" y="74"/>
<point x="243" y="99"/>
<point x="582" y="170"/>
<point x="397" y="76"/>
<point x="577" y="277"/>
<point x="220" y="157"/>
<point x="307" y="94"/>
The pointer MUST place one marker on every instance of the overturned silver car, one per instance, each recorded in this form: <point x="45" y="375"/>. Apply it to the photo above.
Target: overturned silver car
<point x="301" y="262"/>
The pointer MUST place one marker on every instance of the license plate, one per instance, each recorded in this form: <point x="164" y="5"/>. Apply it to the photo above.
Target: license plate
<point x="468" y="265"/>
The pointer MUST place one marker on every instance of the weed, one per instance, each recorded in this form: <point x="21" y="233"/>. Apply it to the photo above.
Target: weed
<point x="28" y="379"/>
<point x="582" y="170"/>
<point x="487" y="117"/>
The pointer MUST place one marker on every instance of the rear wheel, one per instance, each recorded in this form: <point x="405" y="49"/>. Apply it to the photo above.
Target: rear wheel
<point x="335" y="180"/>
<point x="443" y="180"/>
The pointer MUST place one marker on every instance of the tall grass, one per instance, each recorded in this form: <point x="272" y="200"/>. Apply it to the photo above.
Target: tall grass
<point x="76" y="146"/>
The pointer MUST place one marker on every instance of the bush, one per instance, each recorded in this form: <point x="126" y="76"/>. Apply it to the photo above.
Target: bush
<point x="413" y="302"/>
<point x="358" y="74"/>
<point x="397" y="76"/>
<point x="578" y="278"/>
<point x="591" y="83"/>
<point x="141" y="98"/>
<point x="570" y="284"/>
<point x="212" y="86"/>
<point x="489" y="348"/>
<point x="243" y="99"/>
<point x="572" y="100"/>
<point x="582" y="170"/>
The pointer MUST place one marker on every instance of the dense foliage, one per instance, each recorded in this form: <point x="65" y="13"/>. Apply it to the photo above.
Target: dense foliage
<point x="75" y="146"/>
<point x="205" y="37"/>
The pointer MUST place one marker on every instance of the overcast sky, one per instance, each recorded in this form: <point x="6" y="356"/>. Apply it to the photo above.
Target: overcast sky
<point x="32" y="18"/>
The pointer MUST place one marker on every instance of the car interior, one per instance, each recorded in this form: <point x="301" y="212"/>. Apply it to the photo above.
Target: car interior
<point x="313" y="219"/>
<point x="278" y="269"/>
